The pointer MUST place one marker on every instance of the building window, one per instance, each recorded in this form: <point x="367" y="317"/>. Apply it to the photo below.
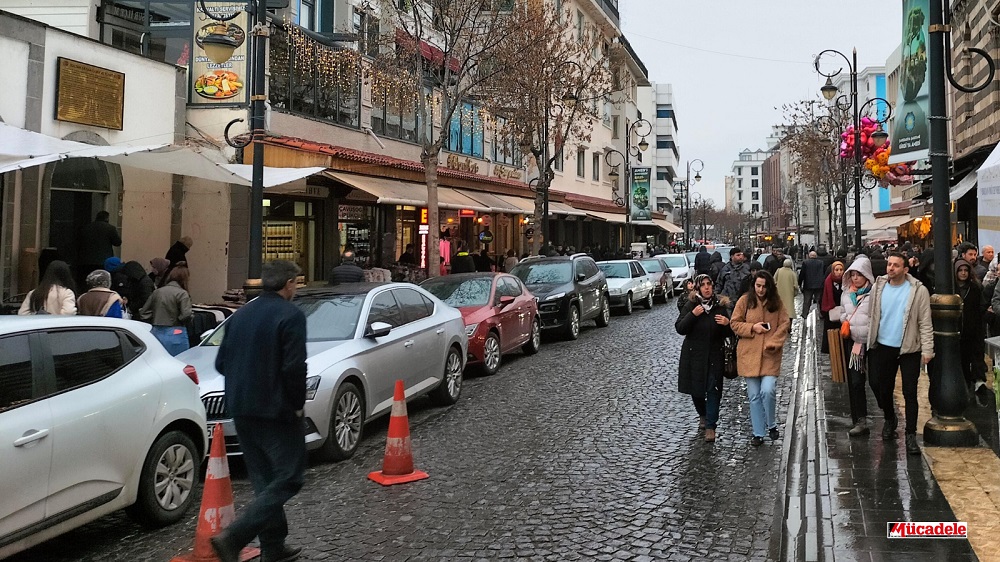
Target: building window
<point x="755" y="208"/>
<point x="557" y="164"/>
<point x="157" y="30"/>
<point x="664" y="112"/>
<point x="581" y="163"/>
<point x="395" y="118"/>
<point x="739" y="170"/>
<point x="367" y="29"/>
<point x="615" y="131"/>
<point x="739" y="183"/>
<point x="505" y="149"/>
<point x="753" y="171"/>
<point x="755" y="195"/>
<point x="596" y="167"/>
<point x="579" y="26"/>
<point x="465" y="134"/>
<point x="662" y="173"/>
<point x="739" y="195"/>
<point x="754" y="183"/>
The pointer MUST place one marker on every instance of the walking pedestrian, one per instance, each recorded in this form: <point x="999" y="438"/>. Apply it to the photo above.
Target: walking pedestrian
<point x="983" y="264"/>
<point x="686" y="293"/>
<point x="788" y="286"/>
<point x="511" y="261"/>
<point x="159" y="273"/>
<point x="96" y="243"/>
<point x="131" y="282"/>
<point x="168" y="309"/>
<point x="702" y="261"/>
<point x="732" y="277"/>
<point x="178" y="252"/>
<point x="704" y="323"/>
<point x="811" y="280"/>
<point x="348" y="271"/>
<point x="761" y="323"/>
<point x="263" y="358"/>
<point x="773" y="262"/>
<point x="833" y="289"/>
<point x="973" y="334"/>
<point x="100" y="300"/>
<point x="900" y="336"/>
<point x="55" y="293"/>
<point x="464" y="263"/>
<point x="856" y="306"/>
<point x="715" y="266"/>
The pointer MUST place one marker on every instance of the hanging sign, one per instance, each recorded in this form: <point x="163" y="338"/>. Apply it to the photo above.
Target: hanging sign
<point x="220" y="83"/>
<point x="639" y="196"/>
<point x="911" y="139"/>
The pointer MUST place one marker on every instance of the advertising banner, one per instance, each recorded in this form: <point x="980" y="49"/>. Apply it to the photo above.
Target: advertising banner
<point x="639" y="195"/>
<point x="910" y="124"/>
<point x="219" y="83"/>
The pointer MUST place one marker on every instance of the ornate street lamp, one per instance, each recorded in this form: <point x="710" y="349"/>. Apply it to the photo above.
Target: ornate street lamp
<point x="622" y="198"/>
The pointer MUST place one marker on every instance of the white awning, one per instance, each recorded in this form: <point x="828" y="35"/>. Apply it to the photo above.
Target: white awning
<point x="493" y="201"/>
<point x="964" y="186"/>
<point x="618" y="219"/>
<point x="525" y="206"/>
<point x="21" y="149"/>
<point x="556" y="208"/>
<point x="885" y="223"/>
<point x="208" y="164"/>
<point x="395" y="192"/>
<point x="668" y="226"/>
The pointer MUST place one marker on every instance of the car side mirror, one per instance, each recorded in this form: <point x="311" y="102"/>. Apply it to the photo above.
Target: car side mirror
<point x="378" y="330"/>
<point x="506" y="301"/>
<point x="581" y="276"/>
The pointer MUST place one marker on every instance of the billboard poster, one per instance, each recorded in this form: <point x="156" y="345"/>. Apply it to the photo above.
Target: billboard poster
<point x="639" y="195"/>
<point x="214" y="83"/>
<point x="910" y="123"/>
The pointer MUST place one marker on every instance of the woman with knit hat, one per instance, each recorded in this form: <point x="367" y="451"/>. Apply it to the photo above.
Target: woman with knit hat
<point x="854" y="303"/>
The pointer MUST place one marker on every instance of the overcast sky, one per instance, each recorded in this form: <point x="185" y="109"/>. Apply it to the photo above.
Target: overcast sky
<point x="732" y="62"/>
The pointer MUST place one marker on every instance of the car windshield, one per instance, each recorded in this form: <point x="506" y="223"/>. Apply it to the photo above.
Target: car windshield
<point x="615" y="270"/>
<point x="328" y="318"/>
<point x="652" y="266"/>
<point x="461" y="292"/>
<point x="691" y="256"/>
<point x="676" y="260"/>
<point x="544" y="273"/>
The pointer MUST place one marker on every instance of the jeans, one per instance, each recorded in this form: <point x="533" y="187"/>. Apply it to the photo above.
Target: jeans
<point x="883" y="362"/>
<point x="275" y="456"/>
<point x="760" y="391"/>
<point x="173" y="338"/>
<point x="709" y="406"/>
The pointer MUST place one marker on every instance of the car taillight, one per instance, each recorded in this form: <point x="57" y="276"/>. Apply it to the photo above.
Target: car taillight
<point x="191" y="373"/>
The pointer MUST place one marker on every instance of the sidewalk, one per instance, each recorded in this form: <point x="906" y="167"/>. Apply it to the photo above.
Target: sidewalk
<point x="840" y="492"/>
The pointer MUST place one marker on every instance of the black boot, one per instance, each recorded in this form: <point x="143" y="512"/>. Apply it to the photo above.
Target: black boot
<point x="912" y="448"/>
<point x="889" y="429"/>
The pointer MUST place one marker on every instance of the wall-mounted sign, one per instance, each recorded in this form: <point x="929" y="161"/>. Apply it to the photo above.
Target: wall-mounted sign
<point x="529" y="233"/>
<point x="219" y="83"/>
<point x="90" y="95"/>
<point x="467" y="213"/>
<point x="486" y="236"/>
<point x="466" y="165"/>
<point x="352" y="213"/>
<point x="505" y="173"/>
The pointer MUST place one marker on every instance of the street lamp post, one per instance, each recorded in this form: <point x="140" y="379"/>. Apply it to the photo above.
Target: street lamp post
<point x="697" y="165"/>
<point x="620" y="199"/>
<point x="850" y="103"/>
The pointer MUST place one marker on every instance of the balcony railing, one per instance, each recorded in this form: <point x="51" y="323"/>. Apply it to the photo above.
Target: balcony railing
<point x="302" y="83"/>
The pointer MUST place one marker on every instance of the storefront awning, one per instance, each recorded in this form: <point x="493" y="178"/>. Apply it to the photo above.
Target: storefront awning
<point x="395" y="192"/>
<point x="668" y="226"/>
<point x="525" y="206"/>
<point x="885" y="223"/>
<point x="618" y="219"/>
<point x="494" y="202"/>
<point x="556" y="208"/>
<point x="965" y="185"/>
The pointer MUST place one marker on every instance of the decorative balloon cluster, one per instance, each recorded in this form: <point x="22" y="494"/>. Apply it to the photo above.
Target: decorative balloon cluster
<point x="876" y="157"/>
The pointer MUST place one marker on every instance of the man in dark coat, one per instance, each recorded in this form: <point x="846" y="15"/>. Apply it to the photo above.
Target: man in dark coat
<point x="347" y="271"/>
<point x="825" y="257"/>
<point x="702" y="261"/>
<point x="131" y="282"/>
<point x="878" y="262"/>
<point x="178" y="252"/>
<point x="811" y="279"/>
<point x="95" y="244"/>
<point x="408" y="257"/>
<point x="462" y="262"/>
<point x="483" y="262"/>
<point x="731" y="278"/>
<point x="715" y="268"/>
<point x="263" y="357"/>
<point x="773" y="262"/>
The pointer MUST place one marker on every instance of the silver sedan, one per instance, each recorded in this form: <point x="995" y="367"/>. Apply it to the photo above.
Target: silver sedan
<point x="361" y="338"/>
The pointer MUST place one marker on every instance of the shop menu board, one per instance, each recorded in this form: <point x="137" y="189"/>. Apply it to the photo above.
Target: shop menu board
<point x="214" y="83"/>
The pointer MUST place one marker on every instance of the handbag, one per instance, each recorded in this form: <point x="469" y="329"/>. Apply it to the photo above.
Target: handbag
<point x="845" y="324"/>
<point x="729" y="369"/>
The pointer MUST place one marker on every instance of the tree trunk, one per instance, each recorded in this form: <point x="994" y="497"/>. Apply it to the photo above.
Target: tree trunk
<point x="430" y="162"/>
<point x="539" y="220"/>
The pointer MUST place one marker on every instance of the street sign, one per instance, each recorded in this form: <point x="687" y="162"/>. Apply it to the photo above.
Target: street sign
<point x="529" y="233"/>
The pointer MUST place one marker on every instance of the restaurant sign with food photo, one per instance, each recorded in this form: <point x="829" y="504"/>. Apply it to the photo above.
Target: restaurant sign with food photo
<point x="219" y="82"/>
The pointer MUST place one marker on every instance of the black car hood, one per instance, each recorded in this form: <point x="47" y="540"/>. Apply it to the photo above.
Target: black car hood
<point x="543" y="290"/>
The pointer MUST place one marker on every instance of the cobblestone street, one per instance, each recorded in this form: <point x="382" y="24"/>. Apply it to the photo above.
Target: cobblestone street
<point x="584" y="452"/>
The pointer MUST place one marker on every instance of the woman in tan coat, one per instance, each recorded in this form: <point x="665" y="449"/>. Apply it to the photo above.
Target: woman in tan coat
<point x="761" y="323"/>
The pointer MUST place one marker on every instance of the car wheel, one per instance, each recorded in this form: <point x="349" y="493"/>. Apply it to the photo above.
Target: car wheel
<point x="450" y="389"/>
<point x="573" y="324"/>
<point x="534" y="343"/>
<point x="491" y="354"/>
<point x="167" y="480"/>
<point x="648" y="303"/>
<point x="628" y="304"/>
<point x="604" y="317"/>
<point x="347" y="418"/>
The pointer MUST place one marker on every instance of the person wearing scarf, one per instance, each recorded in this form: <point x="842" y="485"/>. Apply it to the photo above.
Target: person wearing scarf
<point x="989" y="294"/>
<point x="704" y="323"/>
<point x="832" y="291"/>
<point x="973" y="326"/>
<point x="858" y="281"/>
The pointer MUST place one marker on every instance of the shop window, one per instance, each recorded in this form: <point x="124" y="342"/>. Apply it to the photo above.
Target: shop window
<point x="465" y="133"/>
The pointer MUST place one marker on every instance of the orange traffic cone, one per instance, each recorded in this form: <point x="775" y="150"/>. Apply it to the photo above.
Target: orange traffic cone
<point x="397" y="465"/>
<point x="217" y="510"/>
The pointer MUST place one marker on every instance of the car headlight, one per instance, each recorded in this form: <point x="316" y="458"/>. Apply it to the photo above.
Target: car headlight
<point x="471" y="329"/>
<point x="312" y="383"/>
<point x="681" y="275"/>
<point x="556" y="296"/>
<point x="615" y="291"/>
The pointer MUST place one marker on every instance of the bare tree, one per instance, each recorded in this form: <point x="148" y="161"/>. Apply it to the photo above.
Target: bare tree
<point x="561" y="78"/>
<point x="442" y="56"/>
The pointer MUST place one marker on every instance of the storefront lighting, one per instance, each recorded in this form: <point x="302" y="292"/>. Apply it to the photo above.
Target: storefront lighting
<point x="267" y="202"/>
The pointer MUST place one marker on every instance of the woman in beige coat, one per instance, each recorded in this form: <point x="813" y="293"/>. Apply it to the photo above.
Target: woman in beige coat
<point x="761" y="323"/>
<point x="788" y="286"/>
<point x="54" y="294"/>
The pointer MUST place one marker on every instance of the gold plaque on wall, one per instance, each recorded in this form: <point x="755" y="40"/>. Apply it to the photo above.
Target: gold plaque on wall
<point x="90" y="95"/>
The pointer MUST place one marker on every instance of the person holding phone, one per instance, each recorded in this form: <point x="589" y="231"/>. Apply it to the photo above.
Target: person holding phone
<point x="704" y="323"/>
<point x="761" y="322"/>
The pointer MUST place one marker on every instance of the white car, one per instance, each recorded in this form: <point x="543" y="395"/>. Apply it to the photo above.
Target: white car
<point x="682" y="269"/>
<point x="362" y="337"/>
<point x="95" y="416"/>
<point x="628" y="283"/>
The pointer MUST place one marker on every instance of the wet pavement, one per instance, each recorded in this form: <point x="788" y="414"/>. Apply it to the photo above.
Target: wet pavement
<point x="841" y="492"/>
<point x="583" y="452"/>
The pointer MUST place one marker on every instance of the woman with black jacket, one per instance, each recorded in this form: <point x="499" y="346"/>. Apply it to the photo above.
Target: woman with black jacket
<point x="973" y="325"/>
<point x="704" y="323"/>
